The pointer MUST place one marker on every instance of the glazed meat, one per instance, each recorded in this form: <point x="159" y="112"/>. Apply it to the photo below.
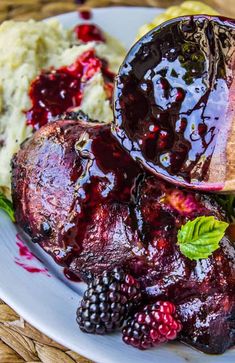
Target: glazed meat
<point x="79" y="195"/>
<point x="71" y="191"/>
<point x="203" y="290"/>
<point x="209" y="322"/>
<point x="161" y="210"/>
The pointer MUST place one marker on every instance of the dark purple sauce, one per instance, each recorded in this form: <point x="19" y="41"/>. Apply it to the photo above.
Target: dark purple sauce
<point x="85" y="14"/>
<point x="172" y="95"/>
<point x="71" y="276"/>
<point x="95" y="177"/>
<point x="107" y="176"/>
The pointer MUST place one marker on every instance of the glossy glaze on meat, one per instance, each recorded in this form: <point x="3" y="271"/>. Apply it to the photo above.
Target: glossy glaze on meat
<point x="68" y="179"/>
<point x="209" y="321"/>
<point x="79" y="195"/>
<point x="203" y="290"/>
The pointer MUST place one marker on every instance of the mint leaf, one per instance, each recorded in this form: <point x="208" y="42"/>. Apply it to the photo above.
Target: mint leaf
<point x="199" y="238"/>
<point x="7" y="206"/>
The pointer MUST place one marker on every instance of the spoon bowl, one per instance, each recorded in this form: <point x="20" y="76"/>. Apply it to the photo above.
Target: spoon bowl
<point x="174" y="102"/>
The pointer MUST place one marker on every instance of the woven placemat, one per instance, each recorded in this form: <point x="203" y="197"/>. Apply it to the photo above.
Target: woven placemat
<point x="39" y="9"/>
<point x="19" y="341"/>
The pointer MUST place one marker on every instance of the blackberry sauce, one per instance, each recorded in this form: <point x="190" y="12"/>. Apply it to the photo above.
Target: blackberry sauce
<point x="71" y="276"/>
<point x="85" y="14"/>
<point x="56" y="91"/>
<point x="172" y="98"/>
<point x="89" y="33"/>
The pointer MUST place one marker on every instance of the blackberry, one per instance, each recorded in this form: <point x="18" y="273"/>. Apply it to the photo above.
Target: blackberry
<point x="155" y="324"/>
<point x="108" y="301"/>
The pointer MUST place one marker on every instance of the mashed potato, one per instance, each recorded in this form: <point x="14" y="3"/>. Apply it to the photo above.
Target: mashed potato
<point x="26" y="49"/>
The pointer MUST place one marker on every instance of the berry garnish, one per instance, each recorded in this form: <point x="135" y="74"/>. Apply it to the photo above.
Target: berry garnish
<point x="107" y="302"/>
<point x="155" y="324"/>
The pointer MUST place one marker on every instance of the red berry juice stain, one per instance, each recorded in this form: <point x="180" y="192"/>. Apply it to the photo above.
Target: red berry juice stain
<point x="23" y="250"/>
<point x="56" y="91"/>
<point x="89" y="33"/>
<point x="25" y="255"/>
<point x="71" y="276"/>
<point x="31" y="269"/>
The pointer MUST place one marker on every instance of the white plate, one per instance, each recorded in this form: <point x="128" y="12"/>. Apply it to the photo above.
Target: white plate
<point x="49" y="302"/>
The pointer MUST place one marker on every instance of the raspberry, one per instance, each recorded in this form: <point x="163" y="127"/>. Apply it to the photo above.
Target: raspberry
<point x="107" y="302"/>
<point x="156" y="323"/>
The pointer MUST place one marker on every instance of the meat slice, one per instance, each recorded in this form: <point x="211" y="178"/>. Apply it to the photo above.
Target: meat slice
<point x="161" y="210"/>
<point x="71" y="187"/>
<point x="108" y="241"/>
<point x="208" y="322"/>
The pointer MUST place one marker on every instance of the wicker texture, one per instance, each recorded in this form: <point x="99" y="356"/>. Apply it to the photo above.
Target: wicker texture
<point x="39" y="9"/>
<point x="19" y="341"/>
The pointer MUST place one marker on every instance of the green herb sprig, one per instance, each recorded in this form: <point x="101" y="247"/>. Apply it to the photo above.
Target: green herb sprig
<point x="199" y="238"/>
<point x="7" y="206"/>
